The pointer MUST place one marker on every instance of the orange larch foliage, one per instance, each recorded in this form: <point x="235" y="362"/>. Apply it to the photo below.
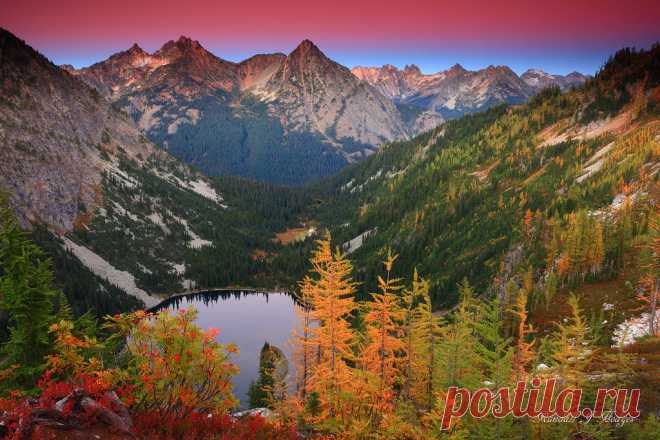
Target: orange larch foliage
<point x="523" y="353"/>
<point x="383" y="321"/>
<point x="331" y="292"/>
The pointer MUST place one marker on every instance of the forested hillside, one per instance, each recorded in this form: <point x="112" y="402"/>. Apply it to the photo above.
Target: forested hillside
<point x="560" y="186"/>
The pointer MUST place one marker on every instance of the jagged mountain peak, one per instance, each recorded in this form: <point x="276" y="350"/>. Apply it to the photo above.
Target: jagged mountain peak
<point x="184" y="47"/>
<point x="306" y="49"/>
<point x="184" y="42"/>
<point x="316" y="94"/>
<point x="135" y="48"/>
<point x="307" y="44"/>
<point x="457" y="68"/>
<point x="130" y="55"/>
<point x="535" y="70"/>
<point x="412" y="69"/>
<point x="454" y="71"/>
<point x="539" y="79"/>
<point x="506" y="70"/>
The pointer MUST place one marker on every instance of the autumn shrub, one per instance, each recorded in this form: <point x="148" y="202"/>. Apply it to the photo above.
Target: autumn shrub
<point x="175" y="370"/>
<point x="76" y="358"/>
<point x="199" y="426"/>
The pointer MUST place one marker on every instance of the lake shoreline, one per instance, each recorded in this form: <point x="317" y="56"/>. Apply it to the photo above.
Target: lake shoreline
<point x="215" y="290"/>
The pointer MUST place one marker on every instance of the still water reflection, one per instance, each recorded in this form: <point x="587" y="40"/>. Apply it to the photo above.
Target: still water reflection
<point x="247" y="319"/>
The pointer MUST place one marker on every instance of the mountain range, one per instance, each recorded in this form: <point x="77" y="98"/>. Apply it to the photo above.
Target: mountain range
<point x="290" y="118"/>
<point x="456" y="91"/>
<point x="281" y="118"/>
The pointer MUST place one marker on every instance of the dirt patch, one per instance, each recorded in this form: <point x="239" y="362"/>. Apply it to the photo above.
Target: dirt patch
<point x="555" y="134"/>
<point x="292" y="235"/>
<point x="482" y="175"/>
<point x="551" y="132"/>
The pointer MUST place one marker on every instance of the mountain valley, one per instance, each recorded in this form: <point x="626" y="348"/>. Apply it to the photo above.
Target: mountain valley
<point x="345" y="252"/>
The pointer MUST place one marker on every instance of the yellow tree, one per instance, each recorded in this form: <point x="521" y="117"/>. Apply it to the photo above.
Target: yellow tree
<point x="527" y="223"/>
<point x="305" y="345"/>
<point x="383" y="324"/>
<point x="523" y="351"/>
<point x="331" y="292"/>
<point x="409" y="300"/>
<point x="422" y="355"/>
<point x="456" y="365"/>
<point x="572" y="347"/>
<point x="596" y="250"/>
<point x="649" y="283"/>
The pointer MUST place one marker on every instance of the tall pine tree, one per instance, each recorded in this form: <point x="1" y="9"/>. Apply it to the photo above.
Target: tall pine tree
<point x="26" y="296"/>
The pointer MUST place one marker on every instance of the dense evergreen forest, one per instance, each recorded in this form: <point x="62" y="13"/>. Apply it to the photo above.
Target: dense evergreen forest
<point x="253" y="144"/>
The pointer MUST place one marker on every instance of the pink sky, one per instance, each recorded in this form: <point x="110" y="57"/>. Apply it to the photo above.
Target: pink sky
<point x="558" y="36"/>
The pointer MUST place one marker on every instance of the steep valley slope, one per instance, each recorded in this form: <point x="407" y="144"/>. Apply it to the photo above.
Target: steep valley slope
<point x="120" y="213"/>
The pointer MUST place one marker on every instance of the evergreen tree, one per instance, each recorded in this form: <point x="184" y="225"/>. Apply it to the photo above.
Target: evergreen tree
<point x="458" y="355"/>
<point x="572" y="347"/>
<point x="272" y="370"/>
<point x="496" y="359"/>
<point x="649" y="282"/>
<point x="426" y="334"/>
<point x="550" y="289"/>
<point x="26" y="296"/>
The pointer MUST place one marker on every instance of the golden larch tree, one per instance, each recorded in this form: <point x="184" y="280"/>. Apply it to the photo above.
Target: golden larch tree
<point x="331" y="290"/>
<point x="383" y="323"/>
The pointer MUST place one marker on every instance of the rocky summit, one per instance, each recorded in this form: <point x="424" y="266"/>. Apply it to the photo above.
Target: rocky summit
<point x="289" y="118"/>
<point x="264" y="117"/>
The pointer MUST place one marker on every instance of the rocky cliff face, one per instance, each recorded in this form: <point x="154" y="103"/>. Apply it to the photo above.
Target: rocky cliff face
<point x="316" y="94"/>
<point x="55" y="132"/>
<point x="132" y="214"/>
